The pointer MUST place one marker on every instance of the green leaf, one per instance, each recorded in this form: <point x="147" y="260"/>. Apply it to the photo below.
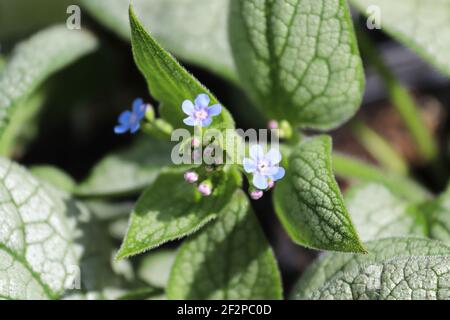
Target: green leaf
<point x="426" y="29"/>
<point x="193" y="30"/>
<point x="2" y="62"/>
<point x="309" y="203"/>
<point x="378" y="213"/>
<point x="167" y="80"/>
<point x="23" y="127"/>
<point x="395" y="268"/>
<point x="107" y="211"/>
<point x="54" y="176"/>
<point x="351" y="168"/>
<point x="19" y="18"/>
<point x="34" y="60"/>
<point x="154" y="269"/>
<point x="298" y="59"/>
<point x="437" y="213"/>
<point x="128" y="171"/>
<point x="171" y="208"/>
<point x="230" y="259"/>
<point x="38" y="257"/>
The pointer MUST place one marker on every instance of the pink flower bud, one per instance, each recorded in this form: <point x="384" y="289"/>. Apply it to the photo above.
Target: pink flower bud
<point x="190" y="176"/>
<point x="205" y="189"/>
<point x="195" y="142"/>
<point x="271" y="184"/>
<point x="272" y="124"/>
<point x="256" y="195"/>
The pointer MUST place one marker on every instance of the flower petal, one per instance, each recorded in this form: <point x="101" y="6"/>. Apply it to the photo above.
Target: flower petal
<point x="189" y="121"/>
<point x="256" y="152"/>
<point x="124" y="117"/>
<point x="271" y="171"/>
<point x="121" y="129"/>
<point x="273" y="156"/>
<point x="188" y="107"/>
<point x="214" y="110"/>
<point x="202" y="100"/>
<point x="260" y="181"/>
<point x="206" y="122"/>
<point x="138" y="105"/>
<point x="135" y="127"/>
<point x="279" y="175"/>
<point x="249" y="165"/>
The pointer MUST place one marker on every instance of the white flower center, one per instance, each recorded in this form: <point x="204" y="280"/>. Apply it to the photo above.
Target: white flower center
<point x="200" y="114"/>
<point x="263" y="166"/>
<point x="133" y="118"/>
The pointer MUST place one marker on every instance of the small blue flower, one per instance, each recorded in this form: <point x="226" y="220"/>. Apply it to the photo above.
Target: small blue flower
<point x="131" y="120"/>
<point x="264" y="167"/>
<point x="199" y="113"/>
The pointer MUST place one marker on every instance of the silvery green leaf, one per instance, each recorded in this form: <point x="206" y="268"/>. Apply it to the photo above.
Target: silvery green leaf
<point x="309" y="203"/>
<point x="229" y="259"/>
<point x="127" y="171"/>
<point x="422" y="26"/>
<point x="394" y="269"/>
<point x="171" y="209"/>
<point x="193" y="30"/>
<point x="155" y="267"/>
<point x="298" y="59"/>
<point x="38" y="255"/>
<point x="34" y="60"/>
<point x="378" y="213"/>
<point x="168" y="81"/>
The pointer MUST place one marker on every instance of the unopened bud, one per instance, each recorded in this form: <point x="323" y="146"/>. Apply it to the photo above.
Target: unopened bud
<point x="256" y="194"/>
<point x="272" y="124"/>
<point x="205" y="188"/>
<point x="190" y="176"/>
<point x="149" y="113"/>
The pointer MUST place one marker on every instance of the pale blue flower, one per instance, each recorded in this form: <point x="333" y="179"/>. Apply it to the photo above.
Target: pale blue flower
<point x="199" y="112"/>
<point x="264" y="167"/>
<point x="131" y="120"/>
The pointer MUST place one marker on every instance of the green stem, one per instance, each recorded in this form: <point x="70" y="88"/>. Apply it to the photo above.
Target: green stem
<point x="348" y="167"/>
<point x="402" y="100"/>
<point x="379" y="148"/>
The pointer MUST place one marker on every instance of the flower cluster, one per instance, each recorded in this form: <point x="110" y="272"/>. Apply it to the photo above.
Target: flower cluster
<point x="262" y="168"/>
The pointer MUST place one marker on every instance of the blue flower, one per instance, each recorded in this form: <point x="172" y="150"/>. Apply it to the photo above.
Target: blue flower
<point x="264" y="167"/>
<point x="199" y="113"/>
<point x="131" y="120"/>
